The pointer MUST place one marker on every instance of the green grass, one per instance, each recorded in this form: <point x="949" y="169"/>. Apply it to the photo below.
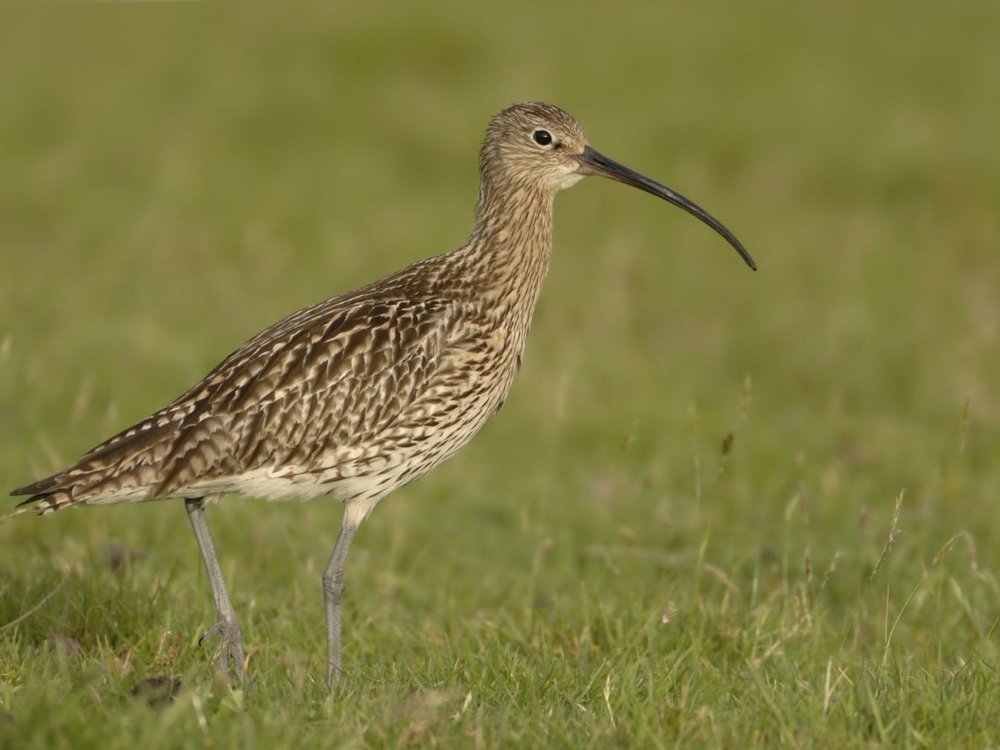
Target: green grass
<point x="721" y="509"/>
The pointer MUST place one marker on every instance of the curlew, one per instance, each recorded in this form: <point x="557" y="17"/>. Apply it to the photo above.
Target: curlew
<point x="364" y="392"/>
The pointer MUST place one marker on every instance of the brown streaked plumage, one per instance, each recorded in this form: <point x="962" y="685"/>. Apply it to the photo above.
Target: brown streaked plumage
<point x="362" y="393"/>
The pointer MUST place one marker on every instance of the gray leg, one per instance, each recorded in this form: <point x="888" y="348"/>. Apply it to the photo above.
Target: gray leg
<point x="225" y="626"/>
<point x="333" y="594"/>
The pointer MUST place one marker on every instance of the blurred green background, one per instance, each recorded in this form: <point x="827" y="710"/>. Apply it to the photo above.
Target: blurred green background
<point x="687" y="441"/>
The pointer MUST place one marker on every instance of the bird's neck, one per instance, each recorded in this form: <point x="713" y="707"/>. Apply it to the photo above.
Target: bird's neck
<point x="510" y="247"/>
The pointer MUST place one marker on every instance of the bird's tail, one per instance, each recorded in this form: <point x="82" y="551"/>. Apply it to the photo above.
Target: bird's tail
<point x="44" y="496"/>
<point x="19" y="510"/>
<point x="113" y="471"/>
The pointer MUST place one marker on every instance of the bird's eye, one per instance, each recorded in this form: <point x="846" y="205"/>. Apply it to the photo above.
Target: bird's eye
<point x="542" y="137"/>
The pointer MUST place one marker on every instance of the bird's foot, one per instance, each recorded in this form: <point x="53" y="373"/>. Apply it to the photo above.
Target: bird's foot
<point x="230" y="647"/>
<point x="332" y="671"/>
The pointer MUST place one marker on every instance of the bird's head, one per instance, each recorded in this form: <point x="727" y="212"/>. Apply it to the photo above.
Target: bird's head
<point x="538" y="147"/>
<point x="534" y="144"/>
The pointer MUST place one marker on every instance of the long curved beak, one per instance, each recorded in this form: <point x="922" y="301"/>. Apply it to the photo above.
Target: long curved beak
<point x="592" y="162"/>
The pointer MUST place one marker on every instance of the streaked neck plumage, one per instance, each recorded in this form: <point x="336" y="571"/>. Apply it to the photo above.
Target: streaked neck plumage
<point x="510" y="247"/>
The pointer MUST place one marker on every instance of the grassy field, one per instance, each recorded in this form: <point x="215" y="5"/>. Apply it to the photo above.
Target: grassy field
<point x="721" y="509"/>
